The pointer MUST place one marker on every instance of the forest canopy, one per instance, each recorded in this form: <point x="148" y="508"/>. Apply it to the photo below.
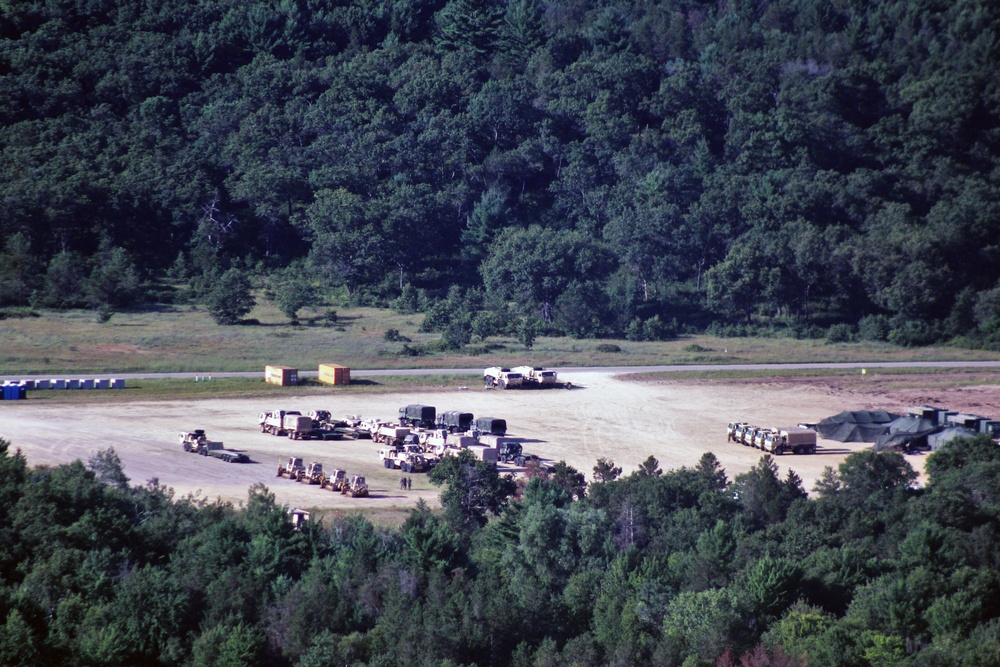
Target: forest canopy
<point x="664" y="568"/>
<point x="607" y="168"/>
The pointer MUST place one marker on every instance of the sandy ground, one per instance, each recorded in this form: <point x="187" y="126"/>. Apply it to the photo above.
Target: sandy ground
<point x="605" y="416"/>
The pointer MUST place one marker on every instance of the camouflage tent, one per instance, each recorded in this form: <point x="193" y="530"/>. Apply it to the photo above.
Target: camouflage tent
<point x="943" y="437"/>
<point x="908" y="432"/>
<point x="856" y="425"/>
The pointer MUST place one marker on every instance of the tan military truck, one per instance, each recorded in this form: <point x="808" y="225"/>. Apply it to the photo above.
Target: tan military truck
<point x="292" y="423"/>
<point x="792" y="439"/>
<point x="505" y="378"/>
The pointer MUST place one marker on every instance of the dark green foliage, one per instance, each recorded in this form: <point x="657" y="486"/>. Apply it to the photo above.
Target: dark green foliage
<point x="598" y="166"/>
<point x="656" y="567"/>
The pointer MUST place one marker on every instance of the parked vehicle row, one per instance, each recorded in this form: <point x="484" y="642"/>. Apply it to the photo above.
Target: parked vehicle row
<point x="782" y="440"/>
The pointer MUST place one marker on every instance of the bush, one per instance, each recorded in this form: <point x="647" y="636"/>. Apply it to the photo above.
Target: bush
<point x="408" y="301"/>
<point x="104" y="313"/>
<point x="874" y="328"/>
<point x="608" y="347"/>
<point x="840" y="333"/>
<point x="457" y="335"/>
<point x="393" y="336"/>
<point x="912" y="333"/>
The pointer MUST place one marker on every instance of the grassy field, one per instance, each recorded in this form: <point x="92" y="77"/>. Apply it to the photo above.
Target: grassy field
<point x="184" y="339"/>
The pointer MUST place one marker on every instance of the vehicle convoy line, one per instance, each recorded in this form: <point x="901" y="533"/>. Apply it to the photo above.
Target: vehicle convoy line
<point x="609" y="370"/>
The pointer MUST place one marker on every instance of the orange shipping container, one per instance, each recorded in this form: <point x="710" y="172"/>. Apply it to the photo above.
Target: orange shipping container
<point x="281" y="375"/>
<point x="334" y="374"/>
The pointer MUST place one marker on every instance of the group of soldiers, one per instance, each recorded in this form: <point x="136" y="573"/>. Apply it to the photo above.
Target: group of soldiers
<point x="405" y="483"/>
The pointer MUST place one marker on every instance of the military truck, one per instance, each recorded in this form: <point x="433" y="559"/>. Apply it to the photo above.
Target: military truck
<point x="536" y="377"/>
<point x="490" y="425"/>
<point x="455" y="421"/>
<point x="356" y="487"/>
<point x="387" y="434"/>
<point x="790" y="439"/>
<point x="292" y="423"/>
<point x="408" y="459"/>
<point x="508" y="451"/>
<point x="416" y="415"/>
<point x="758" y="437"/>
<point x="198" y="443"/>
<point x="292" y="469"/>
<point x="504" y="378"/>
<point x="731" y="431"/>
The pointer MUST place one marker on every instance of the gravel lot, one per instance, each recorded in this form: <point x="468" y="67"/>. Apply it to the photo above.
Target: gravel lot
<point x="604" y="416"/>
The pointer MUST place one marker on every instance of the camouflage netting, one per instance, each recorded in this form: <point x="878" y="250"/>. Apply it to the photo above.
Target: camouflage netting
<point x="909" y="431"/>
<point x="943" y="437"/>
<point x="856" y="425"/>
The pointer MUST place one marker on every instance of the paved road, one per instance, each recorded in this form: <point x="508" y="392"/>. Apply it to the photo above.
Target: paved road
<point x="614" y="370"/>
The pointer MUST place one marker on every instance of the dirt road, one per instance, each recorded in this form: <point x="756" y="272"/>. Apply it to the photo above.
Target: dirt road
<point x="619" y="419"/>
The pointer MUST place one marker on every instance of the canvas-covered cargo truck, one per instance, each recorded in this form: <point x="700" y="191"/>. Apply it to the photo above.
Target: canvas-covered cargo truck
<point x="455" y="421"/>
<point x="417" y="415"/>
<point x="491" y="425"/>
<point x="790" y="439"/>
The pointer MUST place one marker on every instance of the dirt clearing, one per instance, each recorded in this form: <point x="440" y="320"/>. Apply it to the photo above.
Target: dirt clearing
<point x="605" y="416"/>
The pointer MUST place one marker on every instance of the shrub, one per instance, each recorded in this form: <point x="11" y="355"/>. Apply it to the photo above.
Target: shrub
<point x="840" y="333"/>
<point x="874" y="328"/>
<point x="393" y="336"/>
<point x="912" y="333"/>
<point x="608" y="347"/>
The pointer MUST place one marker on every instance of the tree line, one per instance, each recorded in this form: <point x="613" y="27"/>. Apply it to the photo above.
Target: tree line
<point x="683" y="567"/>
<point x="617" y="168"/>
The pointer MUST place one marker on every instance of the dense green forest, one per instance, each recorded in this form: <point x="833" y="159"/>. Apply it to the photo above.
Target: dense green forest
<point x="611" y="168"/>
<point x="683" y="567"/>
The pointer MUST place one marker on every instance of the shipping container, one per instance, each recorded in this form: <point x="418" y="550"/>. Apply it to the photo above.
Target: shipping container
<point x="117" y="384"/>
<point x="101" y="383"/>
<point x="281" y="375"/>
<point x="334" y="374"/>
